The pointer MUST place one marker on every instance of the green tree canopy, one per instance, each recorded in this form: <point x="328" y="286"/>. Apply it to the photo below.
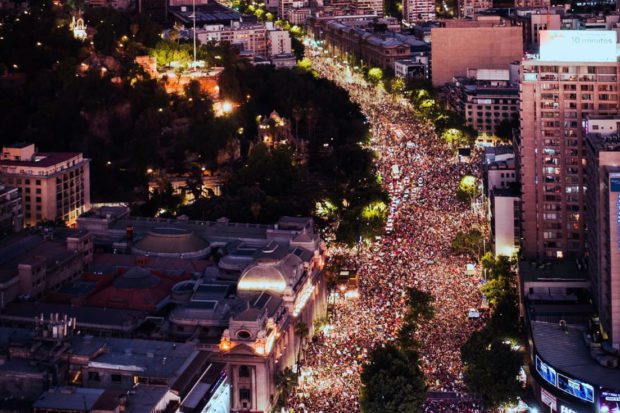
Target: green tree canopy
<point x="392" y="382"/>
<point x="491" y="368"/>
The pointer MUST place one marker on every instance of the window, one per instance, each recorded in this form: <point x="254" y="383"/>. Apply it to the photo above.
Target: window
<point x="93" y="376"/>
<point x="116" y="378"/>
<point x="244" y="335"/>
<point x="38" y="182"/>
<point x="244" y="394"/>
<point x="244" y="371"/>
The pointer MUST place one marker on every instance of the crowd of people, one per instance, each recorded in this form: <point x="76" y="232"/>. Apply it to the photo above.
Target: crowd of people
<point x="425" y="216"/>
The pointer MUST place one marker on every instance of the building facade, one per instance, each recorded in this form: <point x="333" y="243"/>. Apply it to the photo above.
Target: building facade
<point x="470" y="8"/>
<point x="11" y="214"/>
<point x="485" y="98"/>
<point x="418" y="11"/>
<point x="602" y="219"/>
<point x="456" y="49"/>
<point x="558" y="91"/>
<point x="53" y="186"/>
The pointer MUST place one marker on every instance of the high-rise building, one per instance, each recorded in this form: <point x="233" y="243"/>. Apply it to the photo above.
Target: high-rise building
<point x="418" y="10"/>
<point x="575" y="76"/>
<point x="53" y="185"/>
<point x="603" y="219"/>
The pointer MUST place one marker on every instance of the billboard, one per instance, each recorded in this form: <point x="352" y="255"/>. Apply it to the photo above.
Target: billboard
<point x="576" y="388"/>
<point x="546" y="371"/>
<point x="609" y="401"/>
<point x="578" y="45"/>
<point x="614" y="184"/>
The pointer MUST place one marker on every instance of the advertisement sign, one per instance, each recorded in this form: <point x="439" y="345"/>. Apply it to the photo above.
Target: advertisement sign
<point x="576" y="388"/>
<point x="546" y="372"/>
<point x="549" y="399"/>
<point x="609" y="401"/>
<point x="614" y="184"/>
<point x="578" y="45"/>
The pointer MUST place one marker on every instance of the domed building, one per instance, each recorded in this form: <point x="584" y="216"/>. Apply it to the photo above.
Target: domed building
<point x="172" y="242"/>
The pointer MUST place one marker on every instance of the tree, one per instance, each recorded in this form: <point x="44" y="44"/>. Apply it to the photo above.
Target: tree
<point x="420" y="306"/>
<point x="470" y="243"/>
<point x="285" y="380"/>
<point x="491" y="370"/>
<point x="392" y="382"/>
<point x="301" y="331"/>
<point x="506" y="127"/>
<point x="468" y="189"/>
<point x="375" y="75"/>
<point x="496" y="266"/>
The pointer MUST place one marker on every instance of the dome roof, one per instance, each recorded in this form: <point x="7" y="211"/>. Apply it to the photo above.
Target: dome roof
<point x="171" y="241"/>
<point x="136" y="278"/>
<point x="261" y="277"/>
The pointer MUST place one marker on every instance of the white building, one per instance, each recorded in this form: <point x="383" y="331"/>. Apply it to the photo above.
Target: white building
<point x="279" y="42"/>
<point x="505" y="204"/>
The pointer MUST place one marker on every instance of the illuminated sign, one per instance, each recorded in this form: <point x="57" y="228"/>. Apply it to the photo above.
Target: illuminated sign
<point x="564" y="409"/>
<point x="549" y="399"/>
<point x="614" y="184"/>
<point x="578" y="45"/>
<point x="609" y="401"/>
<point x="576" y="388"/>
<point x="546" y="372"/>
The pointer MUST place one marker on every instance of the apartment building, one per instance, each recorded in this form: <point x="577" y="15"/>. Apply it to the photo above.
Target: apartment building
<point x="53" y="185"/>
<point x="485" y="98"/>
<point x="418" y="10"/>
<point x="574" y="77"/>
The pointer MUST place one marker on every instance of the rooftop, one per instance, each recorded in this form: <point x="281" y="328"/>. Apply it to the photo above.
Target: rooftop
<point x="42" y="159"/>
<point x="69" y="398"/>
<point x="567" y="351"/>
<point x="206" y="14"/>
<point x="565" y="270"/>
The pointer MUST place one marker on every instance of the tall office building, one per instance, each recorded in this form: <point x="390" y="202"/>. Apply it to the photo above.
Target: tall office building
<point x="418" y="10"/>
<point x="53" y="185"/>
<point x="603" y="219"/>
<point x="575" y="76"/>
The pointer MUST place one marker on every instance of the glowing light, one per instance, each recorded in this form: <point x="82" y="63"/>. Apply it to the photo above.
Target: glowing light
<point x="261" y="285"/>
<point x="303" y="298"/>
<point x="227" y="107"/>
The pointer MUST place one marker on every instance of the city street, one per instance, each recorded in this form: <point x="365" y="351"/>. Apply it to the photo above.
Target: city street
<point x="424" y="217"/>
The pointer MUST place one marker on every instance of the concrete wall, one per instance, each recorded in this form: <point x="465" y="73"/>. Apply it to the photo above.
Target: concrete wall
<point x="456" y="49"/>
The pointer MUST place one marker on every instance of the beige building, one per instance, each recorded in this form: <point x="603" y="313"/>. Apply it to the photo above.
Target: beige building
<point x="374" y="49"/>
<point x="484" y="98"/>
<point x="418" y="10"/>
<point x="575" y="76"/>
<point x="476" y="45"/>
<point x="53" y="185"/>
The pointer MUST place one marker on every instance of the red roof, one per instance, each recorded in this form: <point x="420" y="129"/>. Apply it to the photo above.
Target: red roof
<point x="144" y="292"/>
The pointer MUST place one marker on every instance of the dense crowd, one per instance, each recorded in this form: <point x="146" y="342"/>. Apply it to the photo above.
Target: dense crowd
<point x="422" y="176"/>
